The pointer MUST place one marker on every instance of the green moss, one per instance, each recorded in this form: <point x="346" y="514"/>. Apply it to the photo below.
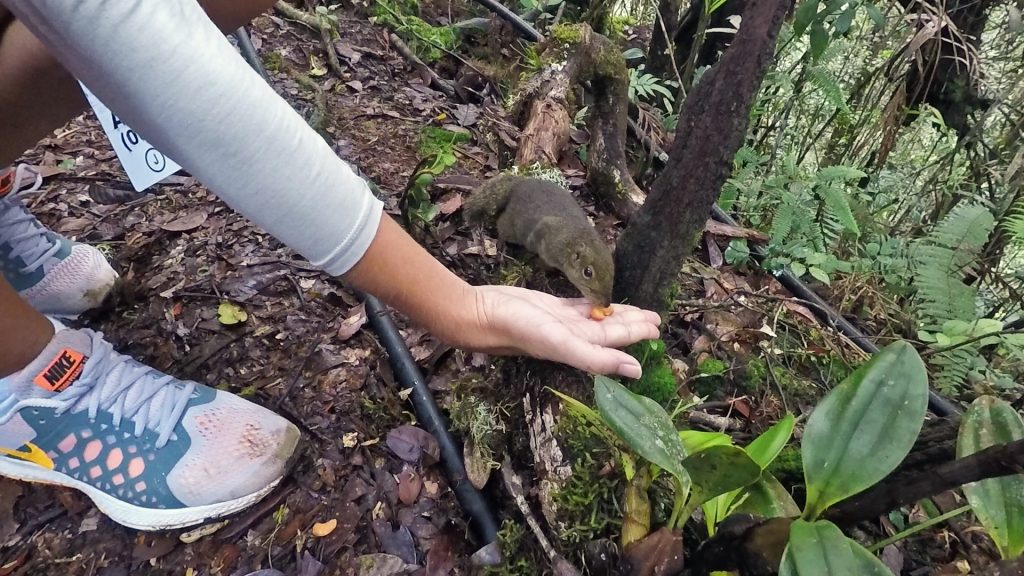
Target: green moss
<point x="428" y="42"/>
<point x="568" y="34"/>
<point x="658" y="381"/>
<point x="434" y="140"/>
<point x="272" y="61"/>
<point x="618" y="24"/>
<point x="788" y="467"/>
<point x="516" y="558"/>
<point x="587" y="501"/>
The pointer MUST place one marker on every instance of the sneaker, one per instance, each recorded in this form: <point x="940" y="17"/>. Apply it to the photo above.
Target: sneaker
<point x="152" y="452"/>
<point x="55" y="275"/>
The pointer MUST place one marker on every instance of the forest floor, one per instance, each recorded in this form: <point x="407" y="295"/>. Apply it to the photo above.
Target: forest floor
<point x="304" y="350"/>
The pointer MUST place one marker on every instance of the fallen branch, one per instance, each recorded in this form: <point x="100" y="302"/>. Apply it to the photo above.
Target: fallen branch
<point x="318" y="25"/>
<point x="896" y="491"/>
<point x="436" y="81"/>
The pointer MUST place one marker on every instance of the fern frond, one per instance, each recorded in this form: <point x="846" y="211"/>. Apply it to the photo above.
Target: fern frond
<point x="822" y="79"/>
<point x="838" y="205"/>
<point x="942" y="258"/>
<point x="782" y="221"/>
<point x="951" y="368"/>
<point x="1014" y="225"/>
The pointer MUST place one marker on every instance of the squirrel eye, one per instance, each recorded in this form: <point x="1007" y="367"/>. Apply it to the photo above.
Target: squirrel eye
<point x="588" y="272"/>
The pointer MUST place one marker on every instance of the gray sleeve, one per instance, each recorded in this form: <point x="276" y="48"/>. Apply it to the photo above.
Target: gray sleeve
<point x="167" y="71"/>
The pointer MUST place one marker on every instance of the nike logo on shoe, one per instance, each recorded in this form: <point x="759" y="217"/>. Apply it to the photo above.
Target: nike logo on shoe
<point x="62" y="372"/>
<point x="34" y="454"/>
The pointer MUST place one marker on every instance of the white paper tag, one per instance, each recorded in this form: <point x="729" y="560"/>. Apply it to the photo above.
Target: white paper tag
<point x="144" y="164"/>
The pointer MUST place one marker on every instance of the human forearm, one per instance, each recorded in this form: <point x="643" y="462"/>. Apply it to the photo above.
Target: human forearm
<point x="396" y="269"/>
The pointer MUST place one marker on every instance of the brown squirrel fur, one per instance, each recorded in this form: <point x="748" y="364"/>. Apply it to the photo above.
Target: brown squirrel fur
<point x="545" y="219"/>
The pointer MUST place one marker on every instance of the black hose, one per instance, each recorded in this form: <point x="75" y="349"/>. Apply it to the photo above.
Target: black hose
<point x="248" y="50"/>
<point x="482" y="518"/>
<point x="482" y="521"/>
<point x="522" y="26"/>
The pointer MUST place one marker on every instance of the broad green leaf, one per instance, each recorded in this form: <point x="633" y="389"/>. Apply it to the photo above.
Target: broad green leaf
<point x="804" y="15"/>
<point x="998" y="502"/>
<point x="588" y="414"/>
<point x="864" y="427"/>
<point x="762" y="451"/>
<point x="633" y="53"/>
<point x="820" y="274"/>
<point x="642" y="424"/>
<point x="767" y="446"/>
<point x="767" y="497"/>
<point x="229" y="313"/>
<point x="798" y="269"/>
<point x="819" y="39"/>
<point x="875" y="14"/>
<point x="717" y="470"/>
<point x="842" y="23"/>
<point x="696" y="440"/>
<point x="820" y="549"/>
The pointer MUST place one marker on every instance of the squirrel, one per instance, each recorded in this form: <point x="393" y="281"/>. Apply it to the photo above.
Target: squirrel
<point x="544" y="218"/>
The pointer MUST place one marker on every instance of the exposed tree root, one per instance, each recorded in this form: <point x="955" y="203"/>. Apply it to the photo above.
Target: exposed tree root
<point x="588" y="58"/>
<point x="324" y="29"/>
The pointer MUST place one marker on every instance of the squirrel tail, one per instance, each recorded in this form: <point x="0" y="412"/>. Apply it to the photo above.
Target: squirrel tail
<point x="488" y="200"/>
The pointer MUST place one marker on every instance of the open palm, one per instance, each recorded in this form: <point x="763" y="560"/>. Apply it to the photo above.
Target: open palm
<point x="522" y="321"/>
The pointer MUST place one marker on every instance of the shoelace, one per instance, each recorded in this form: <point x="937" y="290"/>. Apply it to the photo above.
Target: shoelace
<point x="94" y="390"/>
<point x="20" y="229"/>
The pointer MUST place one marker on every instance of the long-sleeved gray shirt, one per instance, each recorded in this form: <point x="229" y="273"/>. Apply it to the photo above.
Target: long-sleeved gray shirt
<point x="165" y="69"/>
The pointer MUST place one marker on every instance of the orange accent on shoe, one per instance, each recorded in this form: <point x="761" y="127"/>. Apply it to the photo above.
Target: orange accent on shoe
<point x="62" y="372"/>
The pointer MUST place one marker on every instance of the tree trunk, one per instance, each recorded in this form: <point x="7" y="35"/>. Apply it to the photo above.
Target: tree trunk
<point x="712" y="125"/>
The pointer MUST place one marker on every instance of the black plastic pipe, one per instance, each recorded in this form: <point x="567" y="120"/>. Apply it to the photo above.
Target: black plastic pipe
<point x="249" y="51"/>
<point x="482" y="518"/>
<point x="525" y="29"/>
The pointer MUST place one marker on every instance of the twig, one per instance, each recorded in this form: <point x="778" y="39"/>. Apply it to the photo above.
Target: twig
<point x="317" y="24"/>
<point x="719" y="423"/>
<point x="436" y="81"/>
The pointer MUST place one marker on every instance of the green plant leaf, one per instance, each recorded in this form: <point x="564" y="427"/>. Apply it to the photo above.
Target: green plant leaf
<point x="875" y="14"/>
<point x="804" y="15"/>
<point x="633" y="53"/>
<point x="228" y="313"/>
<point x="864" y="427"/>
<point x="642" y="424"/>
<point x="717" y="470"/>
<point x="820" y="549"/>
<point x="998" y="502"/>
<point x="820" y="274"/>
<point x="798" y="269"/>
<point x="767" y="446"/>
<point x="767" y="497"/>
<point x="819" y="39"/>
<point x="696" y="440"/>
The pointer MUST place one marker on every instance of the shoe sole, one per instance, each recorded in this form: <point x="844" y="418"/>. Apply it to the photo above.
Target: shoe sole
<point x="127" y="514"/>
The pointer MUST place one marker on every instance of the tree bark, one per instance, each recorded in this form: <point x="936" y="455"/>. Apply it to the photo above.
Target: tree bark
<point x="712" y="125"/>
<point x="993" y="462"/>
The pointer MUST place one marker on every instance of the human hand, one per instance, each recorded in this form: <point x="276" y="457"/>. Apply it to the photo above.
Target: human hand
<point x="518" y="321"/>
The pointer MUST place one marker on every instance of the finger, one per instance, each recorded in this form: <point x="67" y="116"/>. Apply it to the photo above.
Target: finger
<point x="632" y="312"/>
<point x="618" y="334"/>
<point x="599" y="360"/>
